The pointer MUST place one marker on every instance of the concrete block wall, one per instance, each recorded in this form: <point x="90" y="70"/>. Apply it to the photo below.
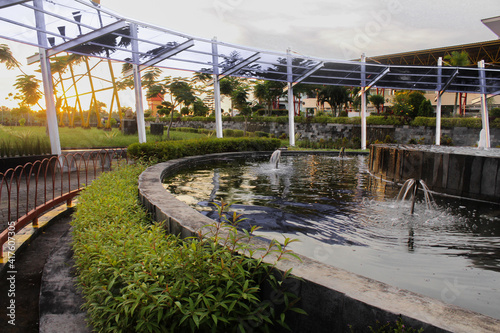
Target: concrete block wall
<point x="461" y="136"/>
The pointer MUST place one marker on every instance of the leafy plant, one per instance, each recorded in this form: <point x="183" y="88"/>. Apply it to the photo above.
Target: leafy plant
<point x="397" y="327"/>
<point x="167" y="150"/>
<point x="137" y="279"/>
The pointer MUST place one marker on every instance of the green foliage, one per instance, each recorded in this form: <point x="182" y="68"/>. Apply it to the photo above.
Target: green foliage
<point x="446" y="140"/>
<point x="425" y="109"/>
<point x="22" y="122"/>
<point x="233" y="133"/>
<point x="495" y="112"/>
<point x="414" y="141"/>
<point x="397" y="327"/>
<point x="134" y="278"/>
<point x="461" y="122"/>
<point x="377" y="101"/>
<point x="425" y="121"/>
<point x="24" y="143"/>
<point x="385" y="120"/>
<point x="163" y="151"/>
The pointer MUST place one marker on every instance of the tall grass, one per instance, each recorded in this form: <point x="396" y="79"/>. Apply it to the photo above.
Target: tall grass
<point x="22" y="143"/>
<point x="75" y="138"/>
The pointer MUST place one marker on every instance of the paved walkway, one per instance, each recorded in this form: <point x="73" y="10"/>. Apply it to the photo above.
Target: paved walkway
<point x="43" y="289"/>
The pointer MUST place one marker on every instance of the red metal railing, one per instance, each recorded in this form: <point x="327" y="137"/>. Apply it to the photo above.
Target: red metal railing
<point x="30" y="190"/>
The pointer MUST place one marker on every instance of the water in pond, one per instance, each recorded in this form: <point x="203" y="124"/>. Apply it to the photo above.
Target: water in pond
<point x="349" y="219"/>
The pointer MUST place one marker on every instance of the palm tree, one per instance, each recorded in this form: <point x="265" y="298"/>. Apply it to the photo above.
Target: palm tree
<point x="377" y="101"/>
<point x="7" y="58"/>
<point x="268" y="92"/>
<point x="227" y="86"/>
<point x="28" y="86"/>
<point x="457" y="59"/>
<point x="335" y="96"/>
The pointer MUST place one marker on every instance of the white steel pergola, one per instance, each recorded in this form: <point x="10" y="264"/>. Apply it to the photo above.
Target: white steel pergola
<point x="92" y="30"/>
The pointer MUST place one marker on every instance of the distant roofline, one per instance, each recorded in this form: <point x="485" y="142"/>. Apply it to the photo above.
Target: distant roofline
<point x="493" y="23"/>
<point x="486" y="50"/>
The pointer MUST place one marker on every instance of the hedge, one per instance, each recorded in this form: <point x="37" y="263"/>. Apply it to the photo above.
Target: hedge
<point x="135" y="278"/>
<point x="166" y="150"/>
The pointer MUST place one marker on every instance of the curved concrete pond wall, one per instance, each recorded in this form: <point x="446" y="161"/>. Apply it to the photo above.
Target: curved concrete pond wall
<point x="332" y="297"/>
<point x="459" y="171"/>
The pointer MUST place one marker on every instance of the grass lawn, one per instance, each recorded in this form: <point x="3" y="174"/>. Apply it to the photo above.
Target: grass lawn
<point x="87" y="138"/>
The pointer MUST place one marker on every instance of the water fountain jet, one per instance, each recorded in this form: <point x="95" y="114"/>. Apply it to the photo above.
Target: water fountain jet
<point x="275" y="158"/>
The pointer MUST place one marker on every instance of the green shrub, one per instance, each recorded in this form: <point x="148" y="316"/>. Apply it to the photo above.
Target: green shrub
<point x="446" y="140"/>
<point x="385" y="120"/>
<point x="261" y="134"/>
<point x="167" y="150"/>
<point x="22" y="122"/>
<point x="134" y="278"/>
<point x="495" y="112"/>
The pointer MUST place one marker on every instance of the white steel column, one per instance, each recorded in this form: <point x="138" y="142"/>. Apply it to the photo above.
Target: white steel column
<point x="484" y="108"/>
<point x="363" y="101"/>
<point x="139" y="110"/>
<point x="218" y="111"/>
<point x="291" y="108"/>
<point x="48" y="88"/>
<point x="438" y="106"/>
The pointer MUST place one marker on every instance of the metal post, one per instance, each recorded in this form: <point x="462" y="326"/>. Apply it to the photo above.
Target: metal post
<point x="438" y="106"/>
<point x="139" y="111"/>
<point x="484" y="107"/>
<point x="291" y="108"/>
<point x="48" y="88"/>
<point x="363" y="101"/>
<point x="218" y="111"/>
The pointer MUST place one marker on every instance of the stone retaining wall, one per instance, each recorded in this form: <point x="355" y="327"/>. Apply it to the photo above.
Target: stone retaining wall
<point x="332" y="297"/>
<point x="461" y="136"/>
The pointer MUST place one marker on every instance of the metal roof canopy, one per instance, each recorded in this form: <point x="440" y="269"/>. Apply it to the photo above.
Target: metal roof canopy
<point x="86" y="28"/>
<point x="91" y="30"/>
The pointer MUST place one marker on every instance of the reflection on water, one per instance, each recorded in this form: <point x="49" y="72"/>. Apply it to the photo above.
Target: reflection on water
<point x="347" y="218"/>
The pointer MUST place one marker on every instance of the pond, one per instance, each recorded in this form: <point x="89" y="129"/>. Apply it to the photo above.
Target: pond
<point x="345" y="217"/>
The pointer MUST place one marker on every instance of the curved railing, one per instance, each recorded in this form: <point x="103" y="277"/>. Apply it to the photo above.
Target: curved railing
<point x="30" y="190"/>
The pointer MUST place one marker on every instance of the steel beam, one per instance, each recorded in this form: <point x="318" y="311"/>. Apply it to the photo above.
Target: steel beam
<point x="363" y="101"/>
<point x="218" y="111"/>
<point x="438" y="105"/>
<point x="484" y="140"/>
<point x="48" y="88"/>
<point x="240" y="65"/>
<point x="447" y="84"/>
<point x="8" y="3"/>
<point x="308" y="73"/>
<point x="139" y="110"/>
<point x="164" y="55"/>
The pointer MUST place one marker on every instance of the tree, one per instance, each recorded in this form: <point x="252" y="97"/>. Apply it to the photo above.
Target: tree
<point x="227" y="86"/>
<point x="426" y="109"/>
<point x="7" y="58"/>
<point x="267" y="92"/>
<point x="457" y="59"/>
<point x="28" y="86"/>
<point x="180" y="93"/>
<point x="199" y="108"/>
<point x="415" y="98"/>
<point x="335" y="96"/>
<point x="377" y="101"/>
<point x="239" y="100"/>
